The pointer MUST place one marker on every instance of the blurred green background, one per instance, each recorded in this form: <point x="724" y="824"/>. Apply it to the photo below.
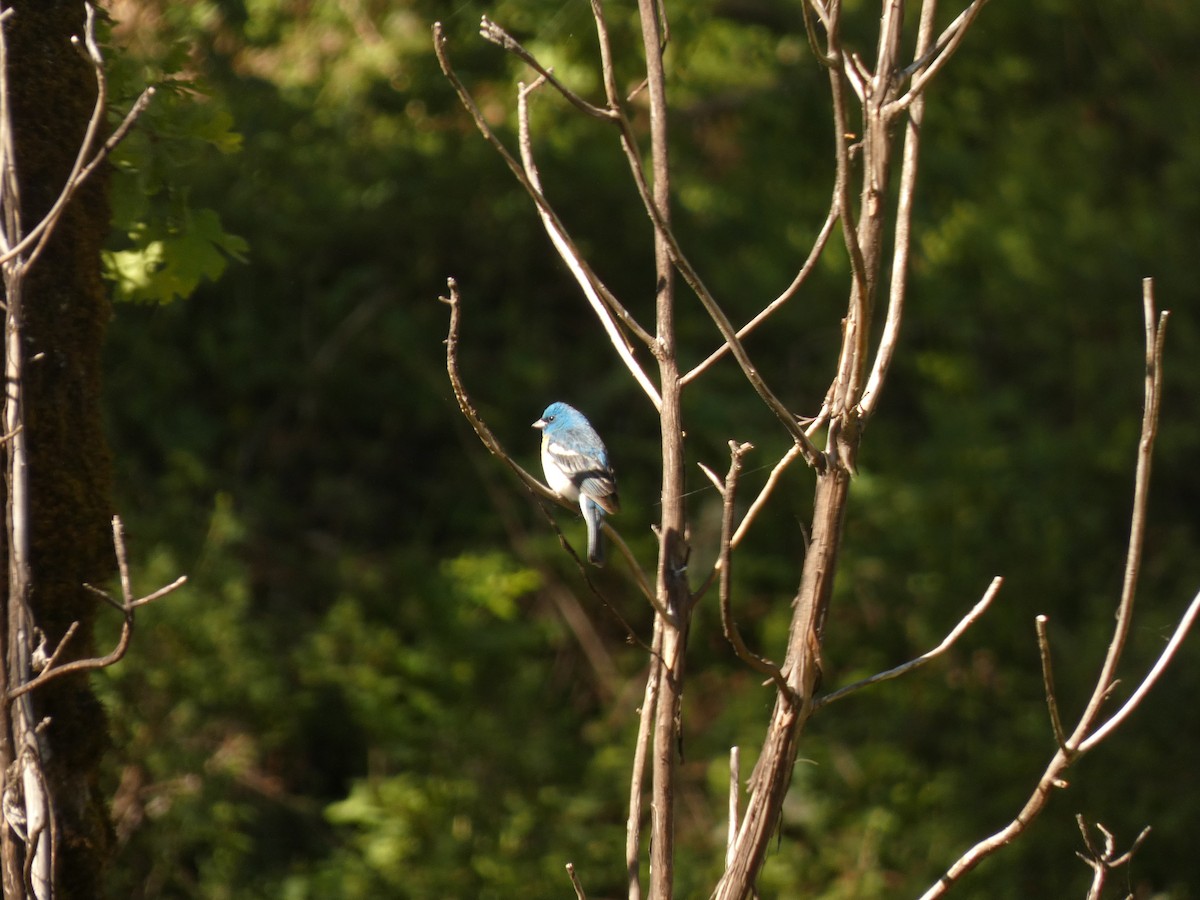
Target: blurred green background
<point x="376" y="683"/>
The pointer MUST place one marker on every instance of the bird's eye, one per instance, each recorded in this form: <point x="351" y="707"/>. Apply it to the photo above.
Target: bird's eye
<point x="549" y="418"/>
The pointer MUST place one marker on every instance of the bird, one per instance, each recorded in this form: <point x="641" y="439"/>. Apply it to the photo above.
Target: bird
<point x="575" y="461"/>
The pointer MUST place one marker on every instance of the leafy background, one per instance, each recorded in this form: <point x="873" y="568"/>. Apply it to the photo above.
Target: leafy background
<point x="370" y="686"/>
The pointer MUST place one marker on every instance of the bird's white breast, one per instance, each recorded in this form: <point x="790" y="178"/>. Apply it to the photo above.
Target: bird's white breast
<point x="559" y="481"/>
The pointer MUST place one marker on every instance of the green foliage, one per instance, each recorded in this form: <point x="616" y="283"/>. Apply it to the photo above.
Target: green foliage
<point x="365" y="691"/>
<point x="159" y="270"/>
<point x="165" y="247"/>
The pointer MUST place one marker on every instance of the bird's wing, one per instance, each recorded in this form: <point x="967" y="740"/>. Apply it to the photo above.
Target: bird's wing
<point x="602" y="487"/>
<point x="589" y="473"/>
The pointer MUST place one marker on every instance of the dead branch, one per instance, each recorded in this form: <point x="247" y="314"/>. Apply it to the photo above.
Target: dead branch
<point x="87" y="161"/>
<point x="735" y="787"/>
<point x="492" y="32"/>
<point x="637" y="777"/>
<point x="1060" y="737"/>
<point x="128" y="603"/>
<point x="464" y="96"/>
<point x="789" y="292"/>
<point x="817" y="423"/>
<point x="1085" y="736"/>
<point x="724" y="569"/>
<point x="570" y="256"/>
<point x="665" y="241"/>
<point x="902" y="242"/>
<point x="928" y="64"/>
<point x="1104" y="861"/>
<point x="947" y="642"/>
<point x="579" y="893"/>
<point x="671" y="586"/>
<point x="1160" y="665"/>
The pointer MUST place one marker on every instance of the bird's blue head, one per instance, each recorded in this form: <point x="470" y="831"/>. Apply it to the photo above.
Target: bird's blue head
<point x="558" y="415"/>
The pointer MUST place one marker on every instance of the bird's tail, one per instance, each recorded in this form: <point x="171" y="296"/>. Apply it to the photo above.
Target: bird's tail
<point x="593" y="515"/>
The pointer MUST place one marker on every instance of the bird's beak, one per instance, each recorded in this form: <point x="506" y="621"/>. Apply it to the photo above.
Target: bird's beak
<point x="539" y="424"/>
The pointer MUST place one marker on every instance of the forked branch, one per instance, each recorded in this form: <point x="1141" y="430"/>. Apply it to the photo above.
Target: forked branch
<point x="1086" y="735"/>
<point x="1103" y="861"/>
<point x="52" y="669"/>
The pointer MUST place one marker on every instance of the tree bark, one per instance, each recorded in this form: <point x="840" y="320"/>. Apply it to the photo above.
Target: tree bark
<point x="52" y="89"/>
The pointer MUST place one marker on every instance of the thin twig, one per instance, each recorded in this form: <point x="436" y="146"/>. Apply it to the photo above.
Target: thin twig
<point x="639" y="579"/>
<point x="764" y="495"/>
<point x="1160" y="665"/>
<point x="470" y="413"/>
<point x="1085" y="736"/>
<point x="810" y="31"/>
<point x="809" y="264"/>
<point x="128" y="603"/>
<point x="1104" y="861"/>
<point x="1155" y="334"/>
<point x="856" y="324"/>
<point x="948" y="641"/>
<point x="1048" y="682"/>
<point x="949" y="42"/>
<point x="492" y="32"/>
<point x="735" y="786"/>
<point x="570" y="255"/>
<point x="724" y="567"/>
<point x="464" y="96"/>
<point x="83" y="167"/>
<point x="62" y="645"/>
<point x="682" y="264"/>
<point x="575" y="882"/>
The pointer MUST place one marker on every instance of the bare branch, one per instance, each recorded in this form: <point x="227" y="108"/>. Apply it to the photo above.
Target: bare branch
<point x="468" y="408"/>
<point x="87" y="665"/>
<point x="53" y="669"/>
<point x="947" y="642"/>
<point x="789" y="292"/>
<point x="492" y="32"/>
<point x="764" y="495"/>
<point x="1048" y="682"/>
<point x="571" y="256"/>
<point x="83" y="167"/>
<point x="103" y="595"/>
<point x="575" y="882"/>
<point x="62" y="645"/>
<point x="1104" y="861"/>
<point x="1155" y="334"/>
<point x="637" y="778"/>
<point x="929" y="64"/>
<point x="811" y="32"/>
<point x="773" y="479"/>
<point x="724" y="569"/>
<point x="666" y="236"/>
<point x="858" y="75"/>
<point x="1160" y="665"/>
<point x="735" y="787"/>
<point x="464" y="96"/>
<point x="1084" y="737"/>
<point x="902" y="242"/>
<point x="842" y="394"/>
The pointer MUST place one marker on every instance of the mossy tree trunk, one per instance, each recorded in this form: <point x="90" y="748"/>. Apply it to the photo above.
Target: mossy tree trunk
<point x="52" y="90"/>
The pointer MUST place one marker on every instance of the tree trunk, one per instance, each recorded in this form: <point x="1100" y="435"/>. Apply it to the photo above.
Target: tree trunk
<point x="52" y="89"/>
